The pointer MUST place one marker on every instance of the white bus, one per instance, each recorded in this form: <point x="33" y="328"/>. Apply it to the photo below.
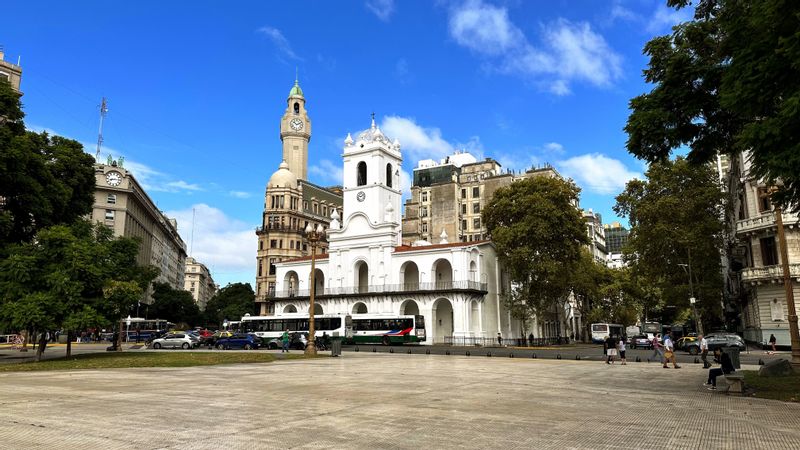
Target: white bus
<point x="388" y="329"/>
<point x="272" y="327"/>
<point x="600" y="331"/>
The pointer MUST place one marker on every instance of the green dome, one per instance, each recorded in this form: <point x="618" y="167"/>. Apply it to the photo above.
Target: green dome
<point x="296" y="90"/>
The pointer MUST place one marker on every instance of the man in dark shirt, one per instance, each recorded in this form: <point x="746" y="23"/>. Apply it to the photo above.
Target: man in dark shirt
<point x="725" y="369"/>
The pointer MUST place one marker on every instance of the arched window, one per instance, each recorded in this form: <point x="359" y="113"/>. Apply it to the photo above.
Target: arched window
<point x="362" y="174"/>
<point x="296" y="108"/>
<point x="389" y="175"/>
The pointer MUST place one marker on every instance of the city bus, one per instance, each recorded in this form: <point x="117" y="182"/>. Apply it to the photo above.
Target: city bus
<point x="146" y="327"/>
<point x="600" y="331"/>
<point x="388" y="329"/>
<point x="272" y="327"/>
<point x="651" y="329"/>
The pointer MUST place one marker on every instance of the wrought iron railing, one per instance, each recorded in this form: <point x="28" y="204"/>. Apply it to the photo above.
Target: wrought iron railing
<point x="385" y="288"/>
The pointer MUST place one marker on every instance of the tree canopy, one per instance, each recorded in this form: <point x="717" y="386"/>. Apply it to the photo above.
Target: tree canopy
<point x="539" y="233"/>
<point x="676" y="219"/>
<point x="726" y="81"/>
<point x="231" y="303"/>
<point x="175" y="305"/>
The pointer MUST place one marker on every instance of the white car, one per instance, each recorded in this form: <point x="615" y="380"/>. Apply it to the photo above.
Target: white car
<point x="177" y="340"/>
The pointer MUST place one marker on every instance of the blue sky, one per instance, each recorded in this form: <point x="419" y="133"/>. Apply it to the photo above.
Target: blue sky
<point x="196" y="90"/>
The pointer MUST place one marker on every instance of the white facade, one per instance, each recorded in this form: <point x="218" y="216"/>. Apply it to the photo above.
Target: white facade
<point x="456" y="286"/>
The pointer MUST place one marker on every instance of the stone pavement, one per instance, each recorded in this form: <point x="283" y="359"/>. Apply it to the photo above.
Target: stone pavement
<point x="380" y="401"/>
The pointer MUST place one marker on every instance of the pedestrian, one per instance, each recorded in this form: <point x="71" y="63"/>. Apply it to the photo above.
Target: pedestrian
<point x="669" y="352"/>
<point x="704" y="351"/>
<point x="530" y="340"/>
<point x="499" y="339"/>
<point x="658" y="350"/>
<point x="772" y="342"/>
<point x="727" y="368"/>
<point x="621" y="348"/>
<point x="285" y="340"/>
<point x="611" y="349"/>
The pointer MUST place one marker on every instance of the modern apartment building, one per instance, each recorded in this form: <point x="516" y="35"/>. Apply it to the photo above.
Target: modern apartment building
<point x="616" y="237"/>
<point x="447" y="197"/>
<point x="10" y="72"/>
<point x="121" y="204"/>
<point x="597" y="237"/>
<point x="290" y="202"/>
<point x="199" y="282"/>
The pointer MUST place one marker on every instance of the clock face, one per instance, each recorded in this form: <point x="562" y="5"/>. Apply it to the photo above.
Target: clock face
<point x="361" y="196"/>
<point x="113" y="178"/>
<point x="296" y="124"/>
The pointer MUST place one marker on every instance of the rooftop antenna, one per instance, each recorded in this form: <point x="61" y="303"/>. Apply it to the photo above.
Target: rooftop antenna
<point x="103" y="111"/>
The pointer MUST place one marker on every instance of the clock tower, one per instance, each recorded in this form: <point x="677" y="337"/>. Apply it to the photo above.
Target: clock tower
<point x="296" y="133"/>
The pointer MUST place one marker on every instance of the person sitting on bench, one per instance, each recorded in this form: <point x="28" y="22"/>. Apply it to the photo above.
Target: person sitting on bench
<point x="726" y="368"/>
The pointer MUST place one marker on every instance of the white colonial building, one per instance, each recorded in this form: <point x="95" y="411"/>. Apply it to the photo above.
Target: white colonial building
<point x="456" y="286"/>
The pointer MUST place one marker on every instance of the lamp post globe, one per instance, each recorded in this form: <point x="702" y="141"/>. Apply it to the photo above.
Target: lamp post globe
<point x="313" y="236"/>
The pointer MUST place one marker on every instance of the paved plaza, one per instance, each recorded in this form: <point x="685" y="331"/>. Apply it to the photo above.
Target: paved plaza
<point x="382" y="401"/>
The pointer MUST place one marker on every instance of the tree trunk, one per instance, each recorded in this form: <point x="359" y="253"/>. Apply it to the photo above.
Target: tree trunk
<point x="42" y="346"/>
<point x="24" y="334"/>
<point x="69" y="344"/>
<point x="119" y="337"/>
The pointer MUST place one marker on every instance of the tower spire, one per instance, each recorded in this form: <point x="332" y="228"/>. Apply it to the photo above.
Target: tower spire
<point x="373" y="120"/>
<point x="103" y="111"/>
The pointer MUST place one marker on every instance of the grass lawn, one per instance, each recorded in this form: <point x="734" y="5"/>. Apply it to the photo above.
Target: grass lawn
<point x="113" y="360"/>
<point x="776" y="388"/>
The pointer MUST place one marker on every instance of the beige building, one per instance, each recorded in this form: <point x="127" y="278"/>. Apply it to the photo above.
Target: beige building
<point x="450" y="195"/>
<point x="755" y="275"/>
<point x="121" y="204"/>
<point x="290" y="202"/>
<point x="10" y="72"/>
<point x="597" y="236"/>
<point x="199" y="282"/>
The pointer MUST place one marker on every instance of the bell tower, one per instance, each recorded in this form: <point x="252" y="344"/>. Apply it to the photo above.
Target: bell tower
<point x="296" y="132"/>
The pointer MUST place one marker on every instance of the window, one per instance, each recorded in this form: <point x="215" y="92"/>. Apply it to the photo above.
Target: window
<point x="362" y="174"/>
<point x="259" y="268"/>
<point x="476" y="192"/>
<point x="296" y="108"/>
<point x="389" y="175"/>
<point x="272" y="266"/>
<point x="463" y="193"/>
<point x="316" y="208"/>
<point x="261" y="245"/>
<point x="273" y="243"/>
<point x="112" y="199"/>
<point x="280" y="243"/>
<point x="4" y="77"/>
<point x="463" y="208"/>
<point x="476" y="208"/>
<point x="769" y="251"/>
<point x="476" y="223"/>
<point x="109" y="214"/>
<point x="423" y="211"/>
<point x="291" y="245"/>
<point x="325" y="211"/>
<point x="305" y="205"/>
<point x="764" y="204"/>
<point x="463" y="225"/>
<point x="425" y="227"/>
<point x="425" y="196"/>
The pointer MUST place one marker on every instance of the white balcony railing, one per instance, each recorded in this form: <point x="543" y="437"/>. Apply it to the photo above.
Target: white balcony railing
<point x="764" y="221"/>
<point x="769" y="273"/>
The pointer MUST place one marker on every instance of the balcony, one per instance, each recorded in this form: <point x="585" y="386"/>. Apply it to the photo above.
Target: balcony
<point x="441" y="286"/>
<point x="763" y="222"/>
<point x="769" y="273"/>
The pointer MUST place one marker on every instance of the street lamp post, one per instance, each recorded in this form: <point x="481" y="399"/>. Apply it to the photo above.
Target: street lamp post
<point x="692" y="299"/>
<point x="787" y="286"/>
<point x="313" y="237"/>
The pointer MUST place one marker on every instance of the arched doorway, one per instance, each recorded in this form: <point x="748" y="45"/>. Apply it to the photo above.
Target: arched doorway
<point x="289" y="309"/>
<point x="291" y="283"/>
<point x="359" y="308"/>
<point x="362" y="276"/>
<point x="317" y="309"/>
<point x="409" y="308"/>
<point x="442" y="274"/>
<point x="442" y="320"/>
<point x="319" y="282"/>
<point x="473" y="271"/>
<point x="409" y="276"/>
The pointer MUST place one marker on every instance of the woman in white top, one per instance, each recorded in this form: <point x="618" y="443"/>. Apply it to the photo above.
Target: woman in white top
<point x="621" y="348"/>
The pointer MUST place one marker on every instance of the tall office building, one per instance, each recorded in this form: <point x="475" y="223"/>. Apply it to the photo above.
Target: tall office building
<point x="616" y="237"/>
<point x="290" y="202"/>
<point x="198" y="282"/>
<point x="597" y="236"/>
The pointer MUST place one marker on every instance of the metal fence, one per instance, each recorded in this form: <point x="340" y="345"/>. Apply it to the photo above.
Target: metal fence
<point x="468" y="341"/>
<point x="384" y="288"/>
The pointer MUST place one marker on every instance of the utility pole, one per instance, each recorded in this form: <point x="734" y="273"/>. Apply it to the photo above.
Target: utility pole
<point x="787" y="286"/>
<point x="692" y="299"/>
<point x="103" y="111"/>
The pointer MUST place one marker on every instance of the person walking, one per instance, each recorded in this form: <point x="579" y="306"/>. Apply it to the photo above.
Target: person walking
<point x="611" y="349"/>
<point x="772" y="342"/>
<point x="621" y="348"/>
<point x="725" y="369"/>
<point x="499" y="339"/>
<point x="669" y="352"/>
<point x="704" y="351"/>
<point x="285" y="341"/>
<point x="530" y="340"/>
<point x="658" y="350"/>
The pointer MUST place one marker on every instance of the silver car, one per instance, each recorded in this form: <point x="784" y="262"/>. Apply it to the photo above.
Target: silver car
<point x="177" y="340"/>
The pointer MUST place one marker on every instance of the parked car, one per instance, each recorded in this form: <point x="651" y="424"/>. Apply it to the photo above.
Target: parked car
<point x="640" y="341"/>
<point x="242" y="341"/>
<point x="297" y="341"/>
<point x="716" y="341"/>
<point x="175" y="340"/>
<point x="211" y="341"/>
<point x="683" y="342"/>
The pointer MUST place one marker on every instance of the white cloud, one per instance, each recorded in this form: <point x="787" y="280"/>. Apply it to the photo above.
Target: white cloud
<point x="664" y="18"/>
<point x="597" y="173"/>
<point x="417" y="142"/>
<point x="383" y="9"/>
<point x="224" y="244"/>
<point x="618" y="11"/>
<point x="567" y="52"/>
<point x="327" y="171"/>
<point x="553" y="147"/>
<point x="280" y="42"/>
<point x="401" y="71"/>
<point x="239" y="194"/>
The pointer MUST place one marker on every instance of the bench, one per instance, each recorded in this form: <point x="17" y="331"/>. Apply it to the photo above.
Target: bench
<point x="735" y="383"/>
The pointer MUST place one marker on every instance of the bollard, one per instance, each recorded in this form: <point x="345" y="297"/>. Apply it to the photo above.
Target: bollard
<point x="697" y="360"/>
<point x="577" y="358"/>
<point x="760" y="362"/>
<point x="409" y="351"/>
<point x="533" y="355"/>
<point x="638" y="359"/>
<point x="467" y="352"/>
<point x="374" y="350"/>
<point x="356" y="348"/>
<point x="427" y="352"/>
<point x="488" y="354"/>
<point x="510" y="355"/>
<point x="447" y="352"/>
<point x="558" y="356"/>
<point x="391" y="350"/>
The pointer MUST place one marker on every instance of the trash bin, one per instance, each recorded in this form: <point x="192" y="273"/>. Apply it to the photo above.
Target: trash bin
<point x="733" y="353"/>
<point x="336" y="347"/>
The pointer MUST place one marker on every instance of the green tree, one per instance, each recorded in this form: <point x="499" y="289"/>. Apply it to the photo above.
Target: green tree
<point x="231" y="302"/>
<point x="676" y="220"/>
<point x="588" y="286"/>
<point x="44" y="180"/>
<point x="539" y="233"/>
<point x="175" y="305"/>
<point x="726" y="81"/>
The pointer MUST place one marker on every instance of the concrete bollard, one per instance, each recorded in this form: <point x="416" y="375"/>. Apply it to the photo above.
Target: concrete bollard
<point x="533" y="355"/>
<point x="467" y="352"/>
<point x="760" y="362"/>
<point x="356" y="348"/>
<point x="391" y="350"/>
<point x="577" y="358"/>
<point x="427" y="352"/>
<point x="409" y="351"/>
<point x="447" y="352"/>
<point x="638" y="359"/>
<point x="489" y="354"/>
<point x="510" y="355"/>
<point x="697" y="360"/>
<point x="374" y="350"/>
<point x="558" y="356"/>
